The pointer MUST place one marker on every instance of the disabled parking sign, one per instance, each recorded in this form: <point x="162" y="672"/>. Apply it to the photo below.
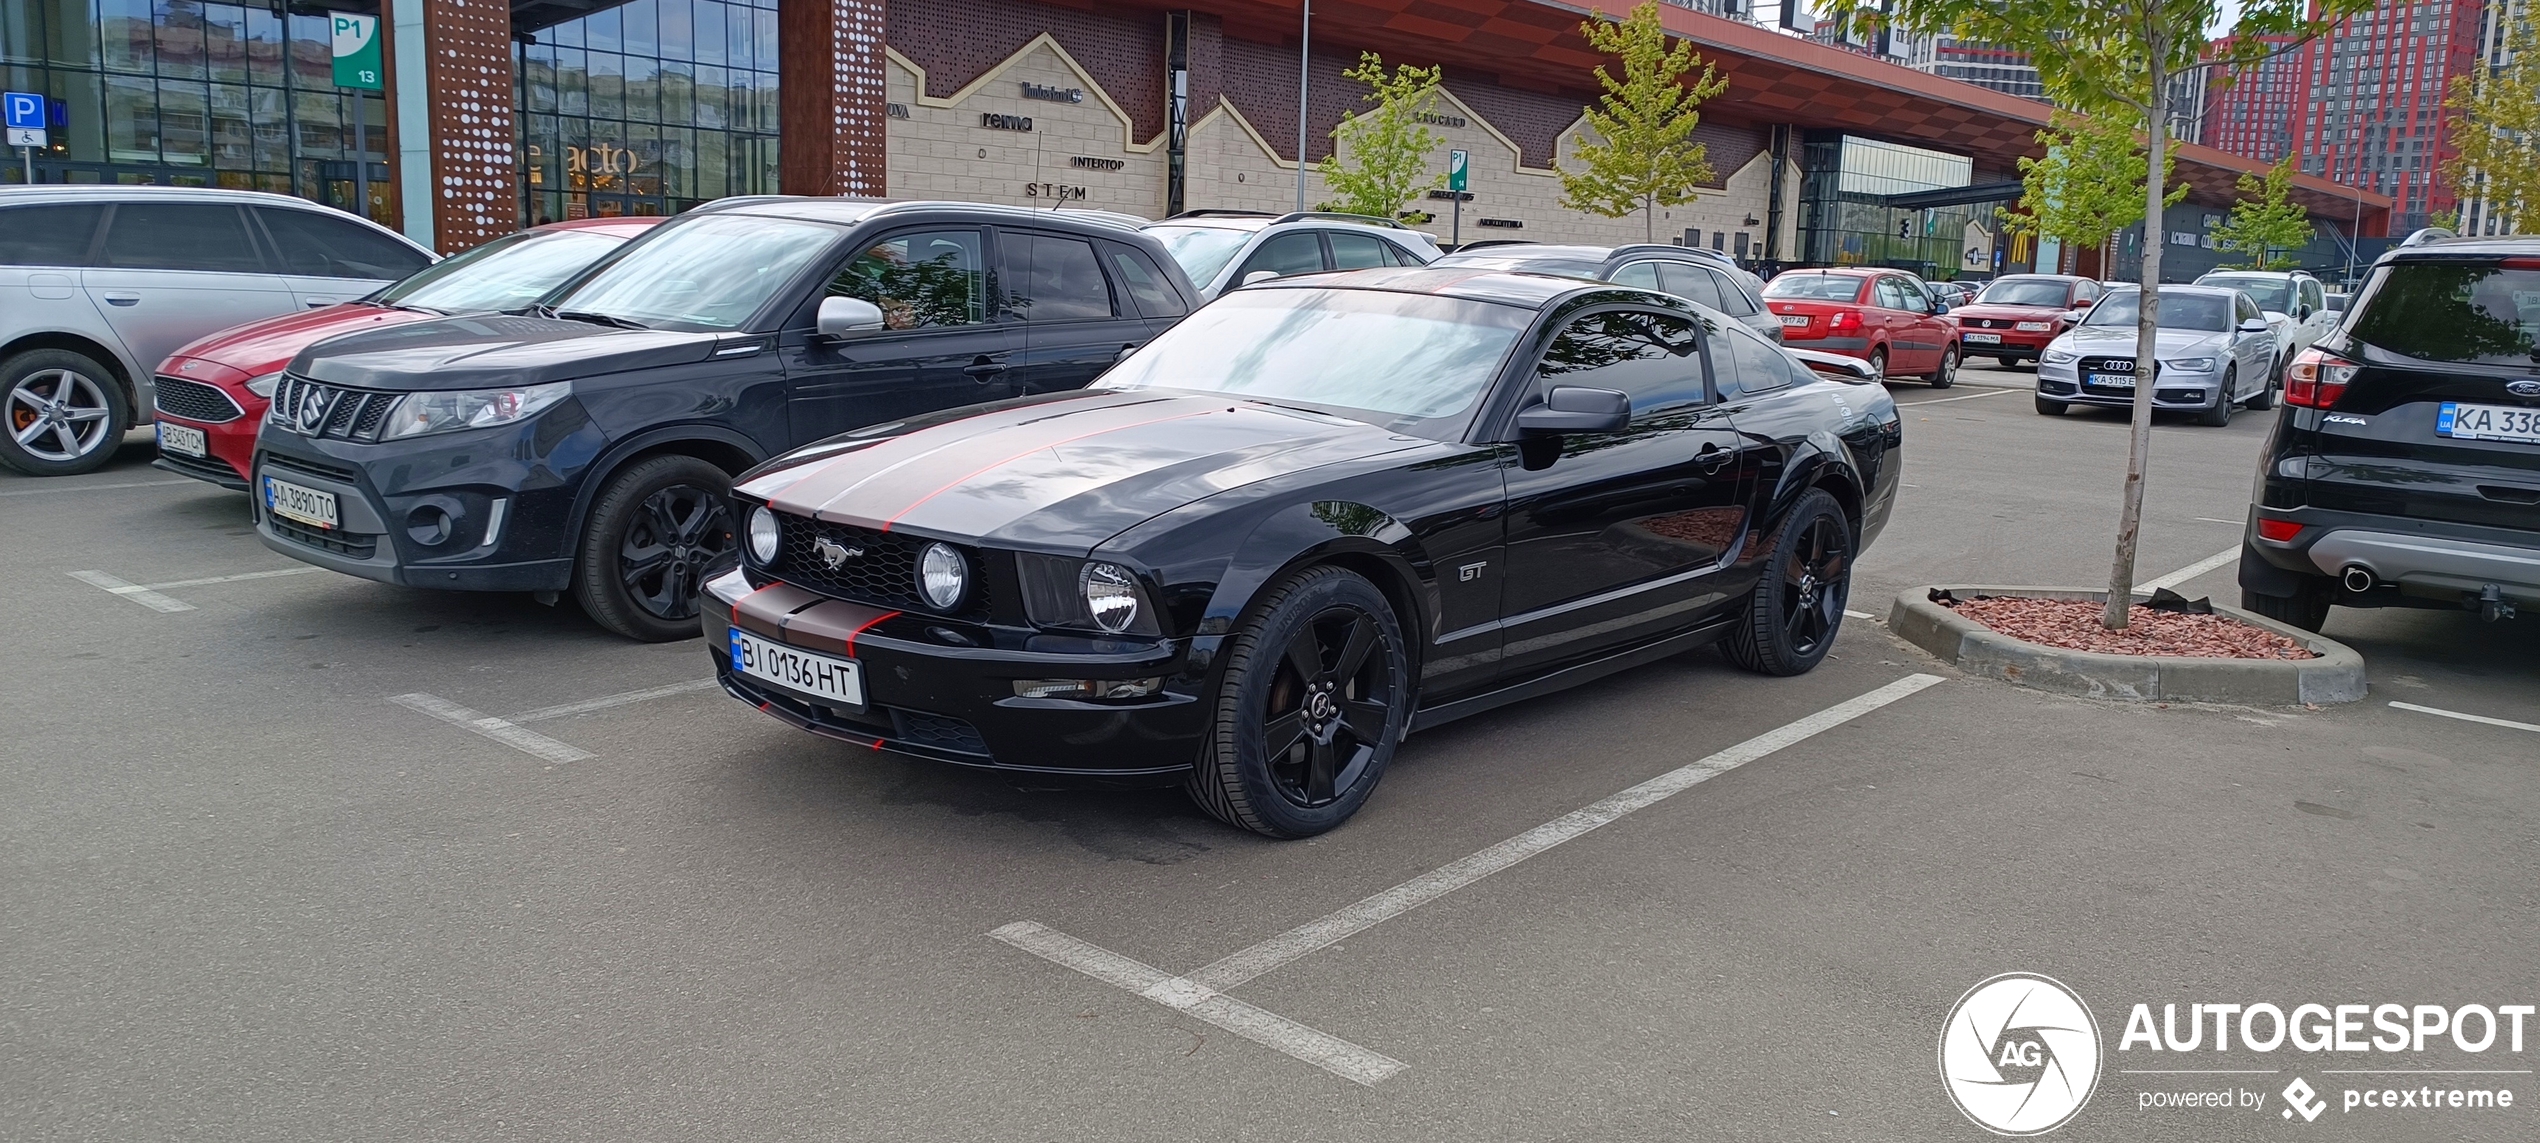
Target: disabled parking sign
<point x="25" y="118"/>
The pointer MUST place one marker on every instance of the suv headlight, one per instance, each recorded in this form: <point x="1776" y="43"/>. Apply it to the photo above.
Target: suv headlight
<point x="446" y="411"/>
<point x="263" y="386"/>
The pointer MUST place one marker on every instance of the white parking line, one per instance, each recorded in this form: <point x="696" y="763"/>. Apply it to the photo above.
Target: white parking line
<point x="519" y="738"/>
<point x="304" y="570"/>
<point x="1858" y="614"/>
<point x="1268" y="1029"/>
<point x="1202" y="993"/>
<point x="97" y="487"/>
<point x="604" y="702"/>
<point x="132" y="591"/>
<point x="2433" y="710"/>
<point x="2191" y="571"/>
<point x="1946" y="400"/>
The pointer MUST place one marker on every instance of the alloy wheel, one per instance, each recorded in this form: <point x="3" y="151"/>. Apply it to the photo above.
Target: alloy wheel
<point x="58" y="415"/>
<point x="676" y="533"/>
<point x="1327" y="710"/>
<point x="1878" y="365"/>
<point x="1816" y="581"/>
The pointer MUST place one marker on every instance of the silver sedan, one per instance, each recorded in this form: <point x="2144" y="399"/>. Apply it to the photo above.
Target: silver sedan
<point x="2216" y="352"/>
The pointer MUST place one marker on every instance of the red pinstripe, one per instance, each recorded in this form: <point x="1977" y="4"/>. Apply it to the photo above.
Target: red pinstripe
<point x="886" y="524"/>
<point x="867" y="625"/>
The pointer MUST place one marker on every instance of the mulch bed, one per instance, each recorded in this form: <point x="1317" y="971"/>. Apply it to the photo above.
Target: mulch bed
<point x="2074" y="626"/>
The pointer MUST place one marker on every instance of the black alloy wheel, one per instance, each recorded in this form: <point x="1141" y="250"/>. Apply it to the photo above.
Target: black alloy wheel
<point x="1797" y="607"/>
<point x="652" y="535"/>
<point x="2265" y="398"/>
<point x="1314" y="702"/>
<point x="1947" y="374"/>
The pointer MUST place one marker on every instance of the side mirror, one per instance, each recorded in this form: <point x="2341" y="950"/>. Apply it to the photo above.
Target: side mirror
<point x="2275" y="316"/>
<point x="2255" y="325"/>
<point x="1257" y="276"/>
<point x="842" y="317"/>
<point x="1576" y="409"/>
<point x="1940" y="307"/>
<point x="2072" y="317"/>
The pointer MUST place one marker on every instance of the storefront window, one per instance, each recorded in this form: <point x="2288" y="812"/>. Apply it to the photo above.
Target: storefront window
<point x="647" y="108"/>
<point x="1845" y="218"/>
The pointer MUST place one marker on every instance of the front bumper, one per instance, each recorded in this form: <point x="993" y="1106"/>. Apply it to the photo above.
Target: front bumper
<point x="2176" y="390"/>
<point x="507" y="522"/>
<point x="2014" y="344"/>
<point x="930" y="696"/>
<point x="229" y="447"/>
<point x="2420" y="559"/>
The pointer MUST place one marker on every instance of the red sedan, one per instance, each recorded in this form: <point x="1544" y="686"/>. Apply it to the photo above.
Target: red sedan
<point x="212" y="393"/>
<point x="2014" y="318"/>
<point x="1883" y="317"/>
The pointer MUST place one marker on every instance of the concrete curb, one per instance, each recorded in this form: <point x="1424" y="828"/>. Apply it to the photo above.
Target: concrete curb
<point x="2337" y="675"/>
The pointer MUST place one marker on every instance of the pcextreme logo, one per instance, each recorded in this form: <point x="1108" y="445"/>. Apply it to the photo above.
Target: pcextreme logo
<point x="2020" y="1054"/>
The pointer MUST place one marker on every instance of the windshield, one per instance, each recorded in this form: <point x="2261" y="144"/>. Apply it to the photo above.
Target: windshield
<point x="2025" y="292"/>
<point x="1406" y="361"/>
<point x="508" y="273"/>
<point x="2270" y="293"/>
<point x="2448" y="311"/>
<point x="2210" y="313"/>
<point x="1814" y="287"/>
<point x="1517" y="263"/>
<point x="1202" y="250"/>
<point x="709" y="274"/>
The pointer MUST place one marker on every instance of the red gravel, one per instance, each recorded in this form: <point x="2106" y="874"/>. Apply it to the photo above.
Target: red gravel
<point x="2074" y="626"/>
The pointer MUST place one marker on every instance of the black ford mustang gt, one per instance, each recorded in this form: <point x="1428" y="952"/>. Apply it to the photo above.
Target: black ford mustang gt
<point x="1313" y="517"/>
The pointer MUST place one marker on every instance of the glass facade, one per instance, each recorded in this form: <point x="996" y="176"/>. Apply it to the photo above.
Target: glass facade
<point x="1844" y="219"/>
<point x="191" y="93"/>
<point x="647" y="108"/>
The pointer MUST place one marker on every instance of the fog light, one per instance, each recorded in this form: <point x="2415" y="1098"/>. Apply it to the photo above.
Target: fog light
<point x="1087" y="688"/>
<point x="432" y="523"/>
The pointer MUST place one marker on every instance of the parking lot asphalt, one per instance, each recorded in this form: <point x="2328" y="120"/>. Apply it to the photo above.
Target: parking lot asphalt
<point x="258" y="888"/>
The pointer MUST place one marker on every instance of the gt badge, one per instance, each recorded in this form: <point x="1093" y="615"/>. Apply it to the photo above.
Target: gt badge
<point x="1470" y="572"/>
<point x="834" y="555"/>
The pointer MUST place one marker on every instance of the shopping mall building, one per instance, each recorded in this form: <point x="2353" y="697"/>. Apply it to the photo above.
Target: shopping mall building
<point x="498" y="115"/>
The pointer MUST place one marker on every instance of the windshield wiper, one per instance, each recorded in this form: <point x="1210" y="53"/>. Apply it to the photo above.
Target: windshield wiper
<point x="593" y="317"/>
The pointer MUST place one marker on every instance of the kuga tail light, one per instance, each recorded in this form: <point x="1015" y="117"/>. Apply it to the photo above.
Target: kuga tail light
<point x="2278" y="530"/>
<point x="2317" y="378"/>
<point x="1845" y="321"/>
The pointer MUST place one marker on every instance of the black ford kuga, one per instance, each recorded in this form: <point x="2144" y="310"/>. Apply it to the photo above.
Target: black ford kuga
<point x="2405" y="471"/>
<point x="588" y="447"/>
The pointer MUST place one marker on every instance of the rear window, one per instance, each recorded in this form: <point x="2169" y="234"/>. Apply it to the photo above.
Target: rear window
<point x="2484" y="313"/>
<point x="1814" y="287"/>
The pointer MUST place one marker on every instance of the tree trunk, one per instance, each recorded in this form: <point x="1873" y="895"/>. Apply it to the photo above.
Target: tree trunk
<point x="1649" y="218"/>
<point x="2147" y="346"/>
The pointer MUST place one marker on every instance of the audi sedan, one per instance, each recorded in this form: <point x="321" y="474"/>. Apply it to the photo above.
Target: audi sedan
<point x="1315" y="516"/>
<point x="2215" y="352"/>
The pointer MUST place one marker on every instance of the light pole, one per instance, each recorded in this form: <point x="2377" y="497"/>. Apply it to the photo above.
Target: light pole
<point x="1304" y="56"/>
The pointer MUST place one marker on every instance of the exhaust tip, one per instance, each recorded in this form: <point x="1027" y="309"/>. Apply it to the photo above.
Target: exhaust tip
<point x="2357" y="578"/>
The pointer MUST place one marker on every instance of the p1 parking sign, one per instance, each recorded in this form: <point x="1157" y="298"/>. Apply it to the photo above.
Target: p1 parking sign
<point x="357" y="54"/>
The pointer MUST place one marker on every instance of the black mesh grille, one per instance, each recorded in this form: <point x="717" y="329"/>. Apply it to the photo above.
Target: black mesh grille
<point x="357" y="546"/>
<point x="2121" y="366"/>
<point x="879" y="568"/>
<point x="210" y="468"/>
<point x="937" y="730"/>
<point x="306" y="465"/>
<point x="312" y="409"/>
<point x="195" y="401"/>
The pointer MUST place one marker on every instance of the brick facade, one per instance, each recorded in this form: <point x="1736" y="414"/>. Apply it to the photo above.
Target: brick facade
<point x="832" y="99"/>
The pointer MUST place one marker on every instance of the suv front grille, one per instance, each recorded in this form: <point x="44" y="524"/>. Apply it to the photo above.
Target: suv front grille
<point x="354" y="545"/>
<point x="195" y="401"/>
<point x="312" y="409"/>
<point x="310" y="467"/>
<point x="879" y="568"/>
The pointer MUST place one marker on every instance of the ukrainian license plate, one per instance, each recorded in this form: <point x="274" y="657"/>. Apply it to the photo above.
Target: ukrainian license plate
<point x="829" y="677"/>
<point x="2488" y="423"/>
<point x="178" y="438"/>
<point x="2111" y="380"/>
<point x="1795" y="321"/>
<point x="1982" y="338"/>
<point x="306" y="505"/>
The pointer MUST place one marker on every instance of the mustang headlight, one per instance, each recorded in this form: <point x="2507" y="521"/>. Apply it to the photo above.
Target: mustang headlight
<point x="1096" y="595"/>
<point x="763" y="536"/>
<point x="2061" y="355"/>
<point x="2191" y="364"/>
<point x="441" y="412"/>
<point x="943" y="577"/>
<point x="1111" y="595"/>
<point x="263" y="386"/>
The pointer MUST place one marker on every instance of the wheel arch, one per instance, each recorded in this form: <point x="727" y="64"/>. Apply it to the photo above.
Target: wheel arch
<point x="1359" y="537"/>
<point x="714" y="444"/>
<point x="1818" y="465"/>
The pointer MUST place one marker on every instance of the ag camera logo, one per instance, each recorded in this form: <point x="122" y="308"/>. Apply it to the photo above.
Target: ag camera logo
<point x="2020" y="1054"/>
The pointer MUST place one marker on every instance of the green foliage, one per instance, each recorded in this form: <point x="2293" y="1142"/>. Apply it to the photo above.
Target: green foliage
<point x="2090" y="184"/>
<point x="1644" y="155"/>
<point x="1380" y="160"/>
<point x="2266" y="230"/>
<point x="2498" y="132"/>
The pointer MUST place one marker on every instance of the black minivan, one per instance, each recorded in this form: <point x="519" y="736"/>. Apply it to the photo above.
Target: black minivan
<point x="588" y="447"/>
<point x="2405" y="471"/>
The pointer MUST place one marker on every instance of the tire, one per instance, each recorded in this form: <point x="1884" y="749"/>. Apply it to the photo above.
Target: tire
<point x="2220" y="414"/>
<point x="2306" y="609"/>
<point x="2265" y="399"/>
<point x="61" y="439"/>
<point x="2009" y="362"/>
<point x="2052" y="408"/>
<point x="1947" y="374"/>
<point x="1796" y="609"/>
<point x="1878" y="366"/>
<point x="1323" y="634"/>
<point x="645" y="547"/>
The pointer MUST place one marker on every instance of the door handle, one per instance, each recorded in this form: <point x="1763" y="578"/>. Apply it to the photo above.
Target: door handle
<point x="319" y="303"/>
<point x="984" y="369"/>
<point x="1712" y="458"/>
<point x="122" y="299"/>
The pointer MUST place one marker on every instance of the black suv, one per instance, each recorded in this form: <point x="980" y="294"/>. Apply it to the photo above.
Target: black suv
<point x="2405" y="471"/>
<point x="1688" y="272"/>
<point x="588" y="446"/>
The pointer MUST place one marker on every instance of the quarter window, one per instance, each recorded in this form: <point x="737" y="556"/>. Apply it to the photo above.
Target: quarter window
<point x="1655" y="358"/>
<point x="1691" y="282"/>
<point x="1761" y="366"/>
<point x="1733" y="299"/>
<point x="1356" y="251"/>
<point x="179" y="236"/>
<point x="1059" y="279"/>
<point x="1643" y="275"/>
<point x="48" y="235"/>
<point x="1155" y="296"/>
<point x="927" y="280"/>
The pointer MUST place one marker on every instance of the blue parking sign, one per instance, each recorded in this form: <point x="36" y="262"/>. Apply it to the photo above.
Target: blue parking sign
<point x="25" y="110"/>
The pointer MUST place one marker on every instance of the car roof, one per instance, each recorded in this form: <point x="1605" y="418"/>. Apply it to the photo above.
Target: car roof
<point x="847" y="211"/>
<point x="58" y="192"/>
<point x="1507" y="287"/>
<point x="2183" y="288"/>
<point x="612" y="222"/>
<point x="2067" y="279"/>
<point x="2522" y="245"/>
<point x="2253" y="274"/>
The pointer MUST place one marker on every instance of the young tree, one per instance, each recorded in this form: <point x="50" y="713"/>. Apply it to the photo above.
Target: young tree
<point x="2498" y="131"/>
<point x="1644" y="156"/>
<point x="2268" y="228"/>
<point x="2088" y="187"/>
<point x="2119" y="57"/>
<point x="1380" y="160"/>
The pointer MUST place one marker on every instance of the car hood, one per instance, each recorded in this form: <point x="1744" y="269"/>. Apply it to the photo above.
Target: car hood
<point x="483" y="351"/>
<point x="260" y="347"/>
<point x="1069" y="473"/>
<point x="2006" y="313"/>
<point x="2120" y="340"/>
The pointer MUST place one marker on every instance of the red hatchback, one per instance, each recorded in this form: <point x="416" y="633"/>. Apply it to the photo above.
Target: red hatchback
<point x="2014" y="318"/>
<point x="1883" y="317"/>
<point x="212" y="393"/>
